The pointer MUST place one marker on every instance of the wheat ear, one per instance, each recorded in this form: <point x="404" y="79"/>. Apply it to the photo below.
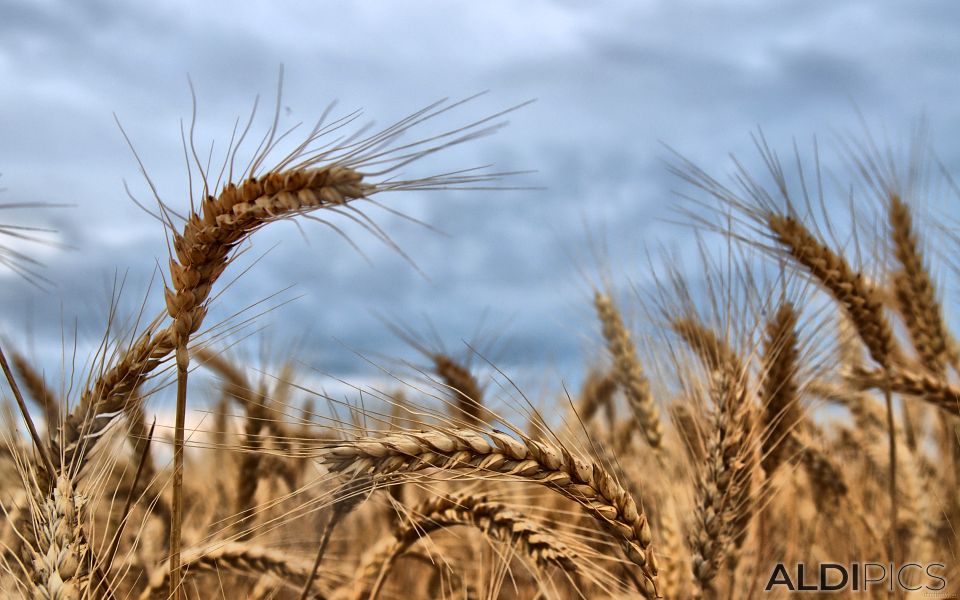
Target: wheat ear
<point x="674" y="553"/>
<point x="782" y="414"/>
<point x="242" y="558"/>
<point x="463" y="386"/>
<point x="734" y="421"/>
<point x="724" y="496"/>
<point x="850" y="289"/>
<point x="493" y="519"/>
<point x="628" y="371"/>
<point x="920" y="307"/>
<point x="824" y="473"/>
<point x="715" y="354"/>
<point x="38" y="390"/>
<point x="915" y="292"/>
<point x="597" y="393"/>
<point x="863" y="306"/>
<point x="62" y="561"/>
<point x="934" y="390"/>
<point x="468" y="452"/>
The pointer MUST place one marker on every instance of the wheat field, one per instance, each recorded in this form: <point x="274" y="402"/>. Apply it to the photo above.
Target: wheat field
<point x="792" y="423"/>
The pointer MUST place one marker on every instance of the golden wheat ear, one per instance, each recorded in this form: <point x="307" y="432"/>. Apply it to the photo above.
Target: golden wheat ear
<point x="318" y="174"/>
<point x="39" y="392"/>
<point x="900" y="183"/>
<point x="240" y="558"/>
<point x="782" y="413"/>
<point x="780" y="220"/>
<point x="498" y="456"/>
<point x="495" y="520"/>
<point x="315" y="176"/>
<point x="459" y="384"/>
<point x="628" y="371"/>
<point x="777" y="220"/>
<point x="725" y="494"/>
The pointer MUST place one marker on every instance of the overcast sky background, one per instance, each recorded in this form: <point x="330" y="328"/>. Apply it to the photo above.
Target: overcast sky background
<point x="612" y="80"/>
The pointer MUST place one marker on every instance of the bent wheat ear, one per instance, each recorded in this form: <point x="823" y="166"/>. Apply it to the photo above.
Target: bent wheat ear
<point x="242" y="558"/>
<point x="714" y="353"/>
<point x="469" y="453"/>
<point x="850" y="289"/>
<point x="493" y="519"/>
<point x="209" y="236"/>
<point x="934" y="390"/>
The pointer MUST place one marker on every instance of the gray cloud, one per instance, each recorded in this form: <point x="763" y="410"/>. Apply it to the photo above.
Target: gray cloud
<point x="612" y="81"/>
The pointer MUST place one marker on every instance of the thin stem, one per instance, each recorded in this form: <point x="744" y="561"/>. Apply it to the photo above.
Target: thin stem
<point x="327" y="532"/>
<point x="176" y="514"/>
<point x="894" y="505"/>
<point x="41" y="449"/>
<point x="385" y="569"/>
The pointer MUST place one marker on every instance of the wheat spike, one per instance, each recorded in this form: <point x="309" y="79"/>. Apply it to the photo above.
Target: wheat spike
<point x="782" y="413"/>
<point x="858" y="298"/>
<point x="242" y="558"/>
<point x="628" y="371"/>
<point x="38" y="390"/>
<point x="468" y="452"/>
<point x="493" y="519"/>
<point x="724" y="493"/>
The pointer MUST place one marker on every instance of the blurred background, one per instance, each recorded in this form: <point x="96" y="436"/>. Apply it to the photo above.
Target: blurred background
<point x="616" y="84"/>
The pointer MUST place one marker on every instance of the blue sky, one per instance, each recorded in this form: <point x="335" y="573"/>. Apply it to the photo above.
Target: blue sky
<point x="614" y="81"/>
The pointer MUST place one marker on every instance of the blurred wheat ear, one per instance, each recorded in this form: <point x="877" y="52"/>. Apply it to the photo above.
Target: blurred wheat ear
<point x="17" y="240"/>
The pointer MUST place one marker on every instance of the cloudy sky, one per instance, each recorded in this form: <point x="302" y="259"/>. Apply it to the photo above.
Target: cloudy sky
<point x="613" y="83"/>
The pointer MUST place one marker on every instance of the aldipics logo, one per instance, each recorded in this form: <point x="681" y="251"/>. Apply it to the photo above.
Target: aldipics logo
<point x="858" y="577"/>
